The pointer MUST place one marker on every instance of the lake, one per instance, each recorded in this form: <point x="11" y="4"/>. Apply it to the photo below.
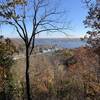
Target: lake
<point x="63" y="43"/>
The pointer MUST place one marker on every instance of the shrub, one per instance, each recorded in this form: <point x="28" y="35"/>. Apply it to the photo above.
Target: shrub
<point x="6" y="52"/>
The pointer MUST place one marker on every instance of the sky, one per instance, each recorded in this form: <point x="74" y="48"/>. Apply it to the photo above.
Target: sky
<point x="76" y="13"/>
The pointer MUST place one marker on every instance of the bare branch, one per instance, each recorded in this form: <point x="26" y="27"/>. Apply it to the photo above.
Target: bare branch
<point x="88" y="3"/>
<point x="10" y="23"/>
<point x="51" y="29"/>
<point x="20" y="27"/>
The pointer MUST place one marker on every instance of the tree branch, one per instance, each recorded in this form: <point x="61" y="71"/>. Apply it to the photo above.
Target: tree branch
<point x="10" y="23"/>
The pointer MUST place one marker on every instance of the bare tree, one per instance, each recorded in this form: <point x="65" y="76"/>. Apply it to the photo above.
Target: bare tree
<point x="31" y="17"/>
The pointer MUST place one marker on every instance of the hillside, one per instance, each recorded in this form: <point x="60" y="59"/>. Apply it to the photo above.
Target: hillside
<point x="54" y="75"/>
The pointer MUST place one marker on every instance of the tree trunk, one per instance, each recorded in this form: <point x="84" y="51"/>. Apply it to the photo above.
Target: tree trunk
<point x="27" y="75"/>
<point x="33" y="44"/>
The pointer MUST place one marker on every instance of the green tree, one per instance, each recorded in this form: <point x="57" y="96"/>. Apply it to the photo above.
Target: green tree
<point x="7" y="49"/>
<point x="6" y="58"/>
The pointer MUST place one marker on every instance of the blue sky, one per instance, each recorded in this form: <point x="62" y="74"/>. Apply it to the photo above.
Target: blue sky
<point x="76" y="13"/>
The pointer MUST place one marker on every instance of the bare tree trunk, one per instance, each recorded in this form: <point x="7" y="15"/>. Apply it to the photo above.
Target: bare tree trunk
<point x="33" y="44"/>
<point x="27" y="75"/>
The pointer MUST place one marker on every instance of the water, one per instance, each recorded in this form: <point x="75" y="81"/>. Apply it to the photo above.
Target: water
<point x="63" y="43"/>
